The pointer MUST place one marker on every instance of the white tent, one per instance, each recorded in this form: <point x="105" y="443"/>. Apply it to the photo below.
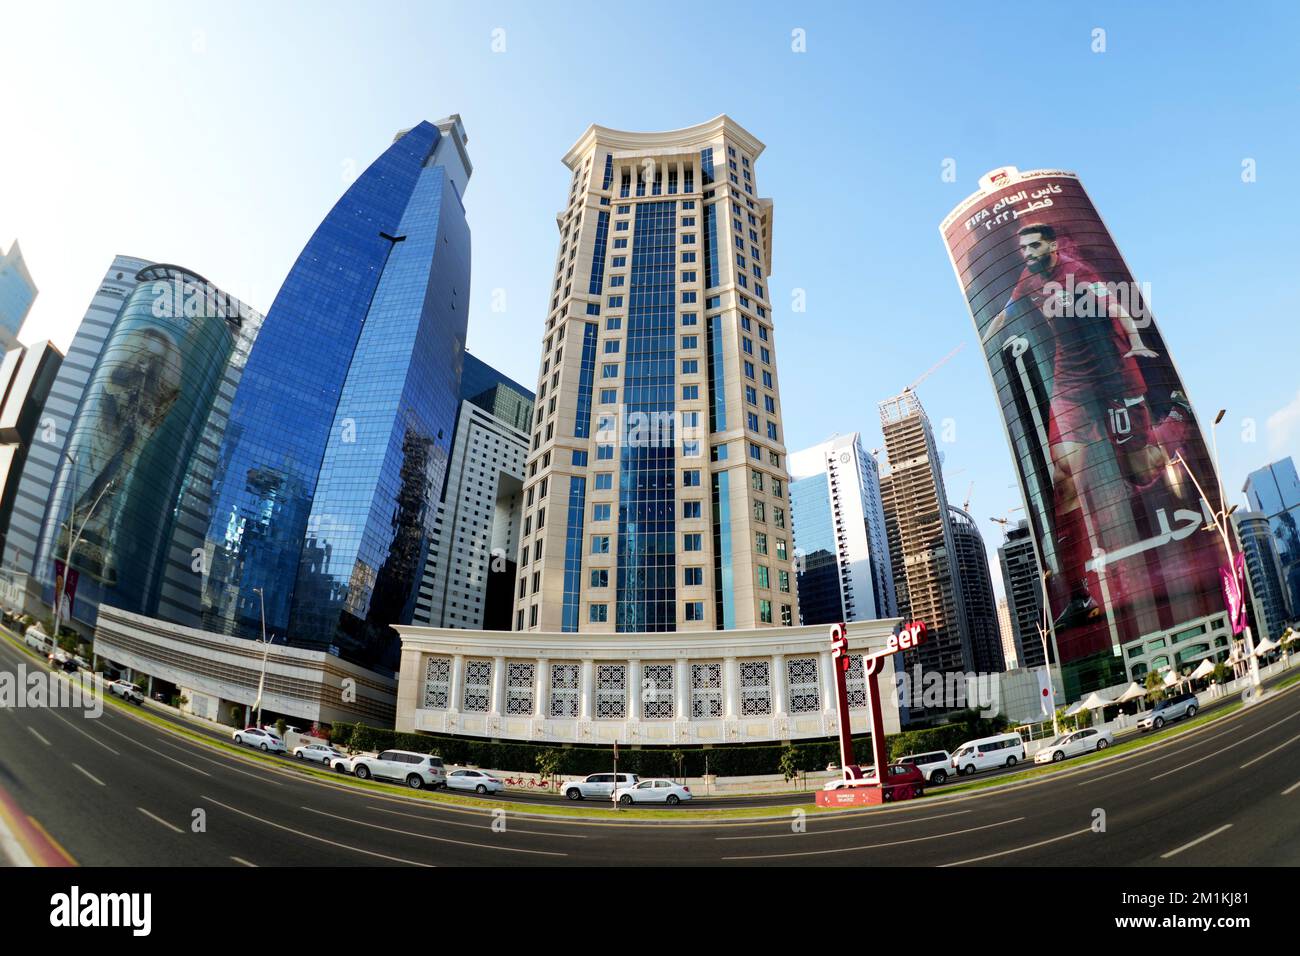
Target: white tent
<point x="1074" y="709"/>
<point x="1134" y="691"/>
<point x="1171" y="678"/>
<point x="1204" y="669"/>
<point x="1266" y="646"/>
<point x="1094" y="701"/>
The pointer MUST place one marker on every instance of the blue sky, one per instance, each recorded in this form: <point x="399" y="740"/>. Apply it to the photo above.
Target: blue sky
<point x="217" y="136"/>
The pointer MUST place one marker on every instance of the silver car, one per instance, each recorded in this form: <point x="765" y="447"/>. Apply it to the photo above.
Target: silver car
<point x="1171" y="708"/>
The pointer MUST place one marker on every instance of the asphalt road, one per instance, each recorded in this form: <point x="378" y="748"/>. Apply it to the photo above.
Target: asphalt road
<point x="117" y="790"/>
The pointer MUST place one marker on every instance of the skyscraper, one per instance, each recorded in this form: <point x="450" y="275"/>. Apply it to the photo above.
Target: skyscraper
<point x="1007" y="634"/>
<point x="1022" y="580"/>
<point x="46" y="449"/>
<point x="655" y="495"/>
<point x="919" y="526"/>
<point x="842" y="550"/>
<point x="1100" y="426"/>
<point x="129" y="445"/>
<point x="1268" y="597"/>
<point x="328" y="477"/>
<point x="17" y="293"/>
<point x="470" y="574"/>
<point x="26" y="376"/>
<point x="1274" y="491"/>
<point x="978" y="602"/>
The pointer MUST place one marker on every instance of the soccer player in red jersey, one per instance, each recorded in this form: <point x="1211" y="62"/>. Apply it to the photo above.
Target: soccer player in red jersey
<point x="1098" y="391"/>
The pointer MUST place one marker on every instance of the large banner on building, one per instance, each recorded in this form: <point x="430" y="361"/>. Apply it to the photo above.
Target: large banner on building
<point x="1096" y="416"/>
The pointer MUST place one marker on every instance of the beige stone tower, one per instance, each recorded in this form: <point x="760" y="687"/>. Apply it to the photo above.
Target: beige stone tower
<point x="656" y="496"/>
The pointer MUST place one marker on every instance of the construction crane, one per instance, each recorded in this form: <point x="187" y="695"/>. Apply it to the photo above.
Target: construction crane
<point x="934" y="368"/>
<point x="966" y="504"/>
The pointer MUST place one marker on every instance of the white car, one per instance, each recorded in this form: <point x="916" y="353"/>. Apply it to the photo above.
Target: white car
<point x="415" y="770"/>
<point x="127" y="691"/>
<point x="657" y="790"/>
<point x="474" y="780"/>
<point x="1171" y="708"/>
<point x="1071" y="745"/>
<point x="318" y="753"/>
<point x="1002" y="750"/>
<point x="263" y="740"/>
<point x="597" y="786"/>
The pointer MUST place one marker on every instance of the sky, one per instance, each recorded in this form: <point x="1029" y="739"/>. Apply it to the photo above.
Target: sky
<point x="218" y="136"/>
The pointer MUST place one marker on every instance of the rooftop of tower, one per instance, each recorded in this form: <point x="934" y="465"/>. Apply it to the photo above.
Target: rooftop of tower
<point x="676" y="140"/>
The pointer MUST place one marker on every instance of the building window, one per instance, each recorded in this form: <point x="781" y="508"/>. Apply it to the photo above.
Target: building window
<point x="437" y="682"/>
<point x="692" y="542"/>
<point x="598" y="614"/>
<point x="692" y="576"/>
<point x="783" y="580"/>
<point x="611" y="691"/>
<point x="600" y="512"/>
<point x="519" y="687"/>
<point x="755" y="688"/>
<point x="706" y="691"/>
<point x="694" y="610"/>
<point x="765" y="611"/>
<point x="691" y="509"/>
<point x="657" y="692"/>
<point x="478" y="686"/>
<point x="564" y="690"/>
<point x="604" y="480"/>
<point x="600" y="544"/>
<point x="801" y="675"/>
<point x="764" y="580"/>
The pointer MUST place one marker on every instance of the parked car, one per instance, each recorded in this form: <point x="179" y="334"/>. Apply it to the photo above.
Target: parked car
<point x="1171" y="708"/>
<point x="415" y="770"/>
<point x="37" y="639"/>
<point x="597" y="786"/>
<point x="127" y="691"/>
<point x="318" y="753"/>
<point x="898" y="773"/>
<point x="1071" y="745"/>
<point x="263" y="740"/>
<point x="1003" y="750"/>
<point x="658" y="790"/>
<point x="474" y="780"/>
<point x="935" y="765"/>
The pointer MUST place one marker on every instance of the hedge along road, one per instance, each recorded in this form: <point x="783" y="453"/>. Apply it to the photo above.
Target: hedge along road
<point x="555" y="804"/>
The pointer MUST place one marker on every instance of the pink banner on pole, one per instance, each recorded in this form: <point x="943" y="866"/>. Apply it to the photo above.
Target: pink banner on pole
<point x="1234" y="592"/>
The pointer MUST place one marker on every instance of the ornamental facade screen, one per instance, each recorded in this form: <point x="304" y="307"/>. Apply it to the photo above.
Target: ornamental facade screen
<point x="1095" y="413"/>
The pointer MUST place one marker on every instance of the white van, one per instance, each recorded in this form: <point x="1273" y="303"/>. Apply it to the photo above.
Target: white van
<point x="1004" y="750"/>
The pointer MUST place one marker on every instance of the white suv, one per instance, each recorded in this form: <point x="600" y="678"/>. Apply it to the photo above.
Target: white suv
<point x="598" y="786"/>
<point x="935" y="765"/>
<point x="1171" y="708"/>
<point x="127" y="691"/>
<point x="406" y="766"/>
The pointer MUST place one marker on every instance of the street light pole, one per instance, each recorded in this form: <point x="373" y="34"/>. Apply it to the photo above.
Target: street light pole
<point x="1220" y="522"/>
<point x="266" y="649"/>
<point x="73" y="538"/>
<point x="1047" y="660"/>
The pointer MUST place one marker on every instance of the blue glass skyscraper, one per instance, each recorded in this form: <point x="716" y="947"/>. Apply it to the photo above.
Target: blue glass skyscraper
<point x="17" y="293"/>
<point x="329" y="474"/>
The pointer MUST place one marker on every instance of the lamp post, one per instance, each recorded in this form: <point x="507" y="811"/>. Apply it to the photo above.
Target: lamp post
<point x="266" y="650"/>
<point x="73" y="538"/>
<point x="1047" y="661"/>
<point x="1219" y="523"/>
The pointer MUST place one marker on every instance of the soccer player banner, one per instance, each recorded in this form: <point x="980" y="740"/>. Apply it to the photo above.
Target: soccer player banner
<point x="1095" y="415"/>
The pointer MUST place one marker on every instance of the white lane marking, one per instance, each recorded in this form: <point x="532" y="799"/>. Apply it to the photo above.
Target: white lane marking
<point x="242" y="862"/>
<point x="158" y="819"/>
<point x="1269" y="752"/>
<point x="875" y="846"/>
<point x="1200" y="839"/>
<point x="475" y="826"/>
<point x="1291" y="789"/>
<point x="312" y="836"/>
<point x="83" y="733"/>
<point x="153" y="750"/>
<point x="37" y="735"/>
<point x="1238" y="743"/>
<point x="1019" y="849"/>
<point x="874" y="826"/>
<point x="426" y="836"/>
<point x="1146" y="763"/>
<point x="224" y="766"/>
<point x="90" y="775"/>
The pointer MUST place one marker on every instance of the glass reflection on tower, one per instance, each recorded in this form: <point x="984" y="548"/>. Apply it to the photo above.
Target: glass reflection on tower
<point x="329" y="476"/>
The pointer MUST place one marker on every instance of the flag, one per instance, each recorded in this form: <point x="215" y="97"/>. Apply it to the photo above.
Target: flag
<point x="1045" y="691"/>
